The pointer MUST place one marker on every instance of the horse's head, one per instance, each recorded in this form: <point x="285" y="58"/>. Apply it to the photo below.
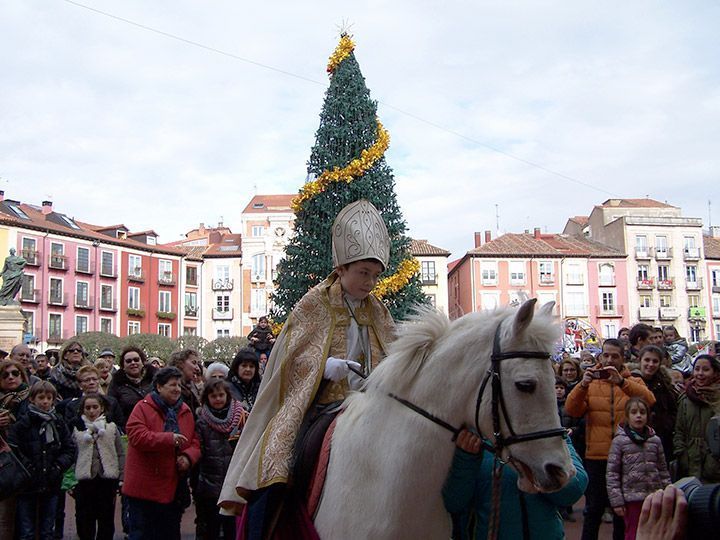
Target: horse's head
<point x="526" y="403"/>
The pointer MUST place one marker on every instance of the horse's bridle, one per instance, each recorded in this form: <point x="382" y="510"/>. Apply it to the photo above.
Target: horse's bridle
<point x="498" y="402"/>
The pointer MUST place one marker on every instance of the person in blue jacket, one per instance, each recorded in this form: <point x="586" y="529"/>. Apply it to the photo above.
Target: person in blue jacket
<point x="468" y="496"/>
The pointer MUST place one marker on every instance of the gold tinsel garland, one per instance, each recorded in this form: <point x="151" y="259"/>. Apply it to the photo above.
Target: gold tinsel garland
<point x="342" y="51"/>
<point x="392" y="284"/>
<point x="357" y="167"/>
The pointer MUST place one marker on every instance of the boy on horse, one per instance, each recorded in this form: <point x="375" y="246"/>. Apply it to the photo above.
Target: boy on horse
<point x="336" y="330"/>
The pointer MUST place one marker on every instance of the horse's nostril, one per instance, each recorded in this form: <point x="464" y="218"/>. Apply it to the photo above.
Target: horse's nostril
<point x="555" y="471"/>
<point x="526" y="386"/>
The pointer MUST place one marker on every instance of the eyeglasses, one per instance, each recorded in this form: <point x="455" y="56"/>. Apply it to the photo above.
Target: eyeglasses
<point x="132" y="359"/>
<point x="7" y="374"/>
<point x="75" y="350"/>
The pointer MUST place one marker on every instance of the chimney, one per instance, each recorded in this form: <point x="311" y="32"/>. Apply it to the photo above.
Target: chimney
<point x="478" y="240"/>
<point x="215" y="237"/>
<point x="488" y="236"/>
<point x="47" y="207"/>
<point x="536" y="232"/>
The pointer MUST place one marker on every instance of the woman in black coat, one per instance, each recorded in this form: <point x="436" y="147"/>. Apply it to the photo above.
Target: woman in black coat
<point x="244" y="377"/>
<point x="132" y="382"/>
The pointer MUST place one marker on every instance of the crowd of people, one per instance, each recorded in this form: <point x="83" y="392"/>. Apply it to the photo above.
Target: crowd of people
<point x="159" y="435"/>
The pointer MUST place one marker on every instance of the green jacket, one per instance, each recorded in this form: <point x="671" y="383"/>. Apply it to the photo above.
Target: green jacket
<point x="691" y="450"/>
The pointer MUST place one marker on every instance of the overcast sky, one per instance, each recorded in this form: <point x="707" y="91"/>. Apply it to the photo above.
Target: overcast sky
<point x="543" y="108"/>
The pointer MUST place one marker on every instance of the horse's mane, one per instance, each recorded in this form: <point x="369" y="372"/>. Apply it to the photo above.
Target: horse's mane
<point x="428" y="332"/>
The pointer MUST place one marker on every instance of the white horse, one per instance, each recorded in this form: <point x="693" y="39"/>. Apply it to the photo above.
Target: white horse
<point x="388" y="464"/>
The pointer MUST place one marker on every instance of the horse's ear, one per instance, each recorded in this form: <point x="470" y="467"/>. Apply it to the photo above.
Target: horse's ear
<point x="524" y="316"/>
<point x="547" y="309"/>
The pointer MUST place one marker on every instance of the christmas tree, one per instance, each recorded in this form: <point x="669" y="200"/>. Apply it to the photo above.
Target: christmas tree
<point x="347" y="163"/>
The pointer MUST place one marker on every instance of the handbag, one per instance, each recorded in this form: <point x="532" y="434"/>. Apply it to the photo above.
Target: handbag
<point x="13" y="474"/>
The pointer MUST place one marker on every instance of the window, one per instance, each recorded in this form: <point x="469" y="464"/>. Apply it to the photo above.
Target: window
<point x="133" y="297"/>
<point x="81" y="324"/>
<point x="715" y="276"/>
<point x="106" y="325"/>
<point x="574" y="275"/>
<point x="55" y="325"/>
<point x="608" y="302"/>
<point x="83" y="260"/>
<point x="716" y="306"/>
<point x="107" y="264"/>
<point x="29" y="322"/>
<point x="165" y="274"/>
<point x="645" y="301"/>
<point x="258" y="266"/>
<point x="691" y="273"/>
<point x="106" y="297"/>
<point x="223" y="332"/>
<point x="82" y="294"/>
<point x="693" y="300"/>
<point x="164" y="329"/>
<point x="695" y="333"/>
<point x="665" y="300"/>
<point x="56" y="291"/>
<point x="28" y="288"/>
<point x="223" y="302"/>
<point x="661" y="244"/>
<point x="165" y="301"/>
<point x="489" y="273"/>
<point x="222" y="272"/>
<point x="57" y="256"/>
<point x="133" y="327"/>
<point x="642" y="272"/>
<point x="258" y="301"/>
<point x="641" y="243"/>
<point x="258" y="230"/>
<point x="29" y="251"/>
<point x="517" y="273"/>
<point x="135" y="265"/>
<point x="717" y="330"/>
<point x="606" y="274"/>
<point x="57" y="249"/>
<point x="663" y="272"/>
<point x="689" y="243"/>
<point x="191" y="275"/>
<point x="431" y="299"/>
<point x="609" y="330"/>
<point x="427" y="272"/>
<point x="546" y="272"/>
<point x="575" y="306"/>
<point x="191" y="300"/>
<point x="189" y="331"/>
<point x="151" y="240"/>
<point x="489" y="300"/>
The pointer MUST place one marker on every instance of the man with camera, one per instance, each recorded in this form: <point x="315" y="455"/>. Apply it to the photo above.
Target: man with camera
<point x="600" y="397"/>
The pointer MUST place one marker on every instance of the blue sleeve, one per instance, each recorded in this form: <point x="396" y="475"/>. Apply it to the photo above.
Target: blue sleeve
<point x="460" y="485"/>
<point x="575" y="488"/>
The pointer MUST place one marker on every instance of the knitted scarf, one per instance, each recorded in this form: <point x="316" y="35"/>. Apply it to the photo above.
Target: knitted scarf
<point x="170" y="412"/>
<point x="248" y="391"/>
<point x="65" y="374"/>
<point x="10" y="401"/>
<point x="704" y="395"/>
<point x="638" y="437"/>
<point x="95" y="428"/>
<point x="224" y="420"/>
<point x="48" y="428"/>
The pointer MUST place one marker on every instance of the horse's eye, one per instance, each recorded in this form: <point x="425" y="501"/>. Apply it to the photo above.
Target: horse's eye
<point x="526" y="386"/>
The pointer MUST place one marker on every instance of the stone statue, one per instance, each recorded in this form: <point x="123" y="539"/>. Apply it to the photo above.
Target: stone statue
<point x="12" y="274"/>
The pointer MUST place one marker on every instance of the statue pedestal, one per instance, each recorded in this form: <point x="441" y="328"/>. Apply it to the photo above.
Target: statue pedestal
<point x="12" y="324"/>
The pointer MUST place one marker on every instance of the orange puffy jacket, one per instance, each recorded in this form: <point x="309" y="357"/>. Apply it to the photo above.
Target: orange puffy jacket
<point x="603" y="405"/>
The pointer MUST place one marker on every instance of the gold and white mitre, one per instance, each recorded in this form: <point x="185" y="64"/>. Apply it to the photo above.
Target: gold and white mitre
<point x="359" y="233"/>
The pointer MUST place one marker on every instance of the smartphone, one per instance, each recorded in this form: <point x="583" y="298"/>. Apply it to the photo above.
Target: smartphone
<point x="601" y="374"/>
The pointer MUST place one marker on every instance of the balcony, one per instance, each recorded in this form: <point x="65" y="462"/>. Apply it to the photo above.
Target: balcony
<point x="645" y="284"/>
<point x="666" y="284"/>
<point x="574" y="279"/>
<point x="663" y="254"/>
<point x="691" y="253"/>
<point x="222" y="284"/>
<point x="57" y="261"/>
<point x="191" y="311"/>
<point x="576" y="311"/>
<point x="643" y="253"/>
<point x="547" y="279"/>
<point x="136" y="312"/>
<point x="613" y="312"/>
<point x="85" y="267"/>
<point x="696" y="313"/>
<point x="606" y="281"/>
<point x="716" y="288"/>
<point x="57" y="299"/>
<point x="696" y="285"/>
<point x="136" y="274"/>
<point x="31" y="296"/>
<point x="166" y="278"/>
<point x="647" y="313"/>
<point x="31" y="256"/>
<point x="108" y="304"/>
<point x="258" y="278"/>
<point x="84" y="302"/>
<point x="489" y="282"/>
<point x="669" y="313"/>
<point x="56" y="337"/>
<point x="428" y="279"/>
<point x="222" y="315"/>
<point x="108" y="271"/>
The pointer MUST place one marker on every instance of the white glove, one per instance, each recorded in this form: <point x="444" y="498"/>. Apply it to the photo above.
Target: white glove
<point x="336" y="369"/>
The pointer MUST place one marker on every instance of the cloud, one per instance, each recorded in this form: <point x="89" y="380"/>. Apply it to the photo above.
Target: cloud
<point x="121" y="124"/>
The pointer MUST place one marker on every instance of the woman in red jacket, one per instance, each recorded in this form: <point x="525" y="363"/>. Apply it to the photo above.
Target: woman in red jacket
<point x="162" y="448"/>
